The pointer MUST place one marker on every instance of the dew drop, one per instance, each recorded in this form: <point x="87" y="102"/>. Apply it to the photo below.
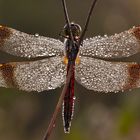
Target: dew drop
<point x="74" y="98"/>
<point x="36" y="35"/>
<point x="53" y="125"/>
<point x="133" y="27"/>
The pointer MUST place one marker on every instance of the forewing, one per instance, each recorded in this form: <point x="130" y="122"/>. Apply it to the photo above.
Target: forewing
<point x="104" y="76"/>
<point x="119" y="45"/>
<point x="24" y="45"/>
<point x="38" y="76"/>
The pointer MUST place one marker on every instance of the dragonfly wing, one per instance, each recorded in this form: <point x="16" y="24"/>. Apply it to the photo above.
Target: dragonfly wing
<point x="104" y="76"/>
<point x="29" y="76"/>
<point x="24" y="45"/>
<point x="119" y="45"/>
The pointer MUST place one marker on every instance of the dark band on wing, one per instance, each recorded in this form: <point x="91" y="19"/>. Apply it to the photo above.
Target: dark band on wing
<point x="134" y="76"/>
<point x="4" y="34"/>
<point x="7" y="71"/>
<point x="136" y="32"/>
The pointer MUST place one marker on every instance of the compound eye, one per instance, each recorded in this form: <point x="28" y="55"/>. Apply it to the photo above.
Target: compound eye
<point x="66" y="30"/>
<point x="79" y="30"/>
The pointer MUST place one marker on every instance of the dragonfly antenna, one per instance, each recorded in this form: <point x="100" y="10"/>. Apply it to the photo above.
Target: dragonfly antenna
<point x="67" y="19"/>
<point x="87" y="21"/>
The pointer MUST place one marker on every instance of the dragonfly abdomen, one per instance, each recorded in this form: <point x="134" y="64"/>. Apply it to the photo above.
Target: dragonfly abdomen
<point x="68" y="104"/>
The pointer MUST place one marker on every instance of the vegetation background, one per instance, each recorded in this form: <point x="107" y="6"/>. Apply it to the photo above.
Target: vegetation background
<point x="98" y="116"/>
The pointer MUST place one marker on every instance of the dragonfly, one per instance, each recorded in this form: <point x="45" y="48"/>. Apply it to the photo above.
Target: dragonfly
<point x="89" y="59"/>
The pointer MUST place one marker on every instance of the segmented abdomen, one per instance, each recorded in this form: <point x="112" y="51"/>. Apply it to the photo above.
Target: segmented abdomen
<point x="68" y="103"/>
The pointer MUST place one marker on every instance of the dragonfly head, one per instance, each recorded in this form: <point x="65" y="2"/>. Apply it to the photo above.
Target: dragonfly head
<point x="75" y="28"/>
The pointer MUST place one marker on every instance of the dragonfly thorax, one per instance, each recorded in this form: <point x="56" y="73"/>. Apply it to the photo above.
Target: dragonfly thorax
<point x="71" y="50"/>
<point x="72" y="46"/>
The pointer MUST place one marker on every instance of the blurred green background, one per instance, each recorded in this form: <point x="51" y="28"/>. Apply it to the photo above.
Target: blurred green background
<point x="98" y="116"/>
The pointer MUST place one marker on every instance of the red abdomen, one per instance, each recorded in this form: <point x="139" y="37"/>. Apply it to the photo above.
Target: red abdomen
<point x="68" y="103"/>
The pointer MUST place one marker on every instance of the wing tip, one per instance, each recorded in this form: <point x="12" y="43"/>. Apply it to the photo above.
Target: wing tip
<point x="133" y="76"/>
<point x="7" y="71"/>
<point x="4" y="33"/>
<point x="136" y="32"/>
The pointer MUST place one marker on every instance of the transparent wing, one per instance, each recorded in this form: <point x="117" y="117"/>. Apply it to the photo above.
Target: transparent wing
<point x="24" y="45"/>
<point x="124" y="44"/>
<point x="104" y="76"/>
<point x="39" y="75"/>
